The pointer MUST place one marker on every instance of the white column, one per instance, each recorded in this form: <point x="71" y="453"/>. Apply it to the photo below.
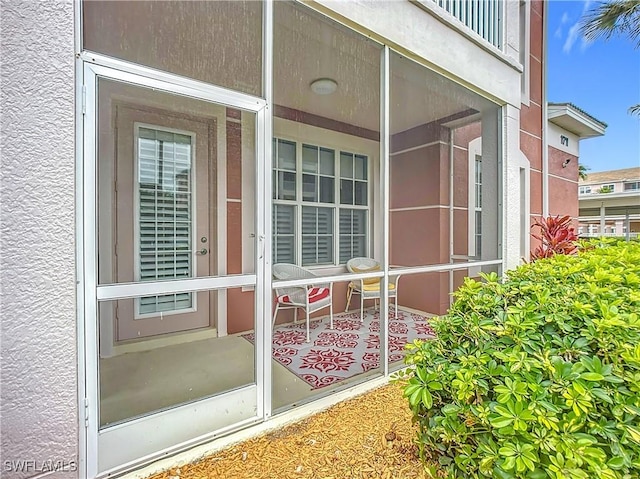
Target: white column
<point x="626" y="221"/>
<point x="619" y="227"/>
<point x="514" y="229"/>
<point x="602" y="219"/>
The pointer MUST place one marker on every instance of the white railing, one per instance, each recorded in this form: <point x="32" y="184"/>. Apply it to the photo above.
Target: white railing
<point x="608" y="235"/>
<point x="482" y="16"/>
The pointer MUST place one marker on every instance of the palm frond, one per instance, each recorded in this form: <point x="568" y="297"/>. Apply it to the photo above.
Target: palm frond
<point x="614" y="17"/>
<point x="582" y="171"/>
<point x="634" y="110"/>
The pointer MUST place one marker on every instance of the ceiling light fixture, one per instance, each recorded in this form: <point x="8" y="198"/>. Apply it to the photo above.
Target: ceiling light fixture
<point x="323" y="86"/>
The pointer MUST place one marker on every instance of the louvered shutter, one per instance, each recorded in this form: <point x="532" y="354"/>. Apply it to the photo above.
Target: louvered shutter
<point x="353" y="234"/>
<point x="164" y="215"/>
<point x="283" y="221"/>
<point x="317" y="235"/>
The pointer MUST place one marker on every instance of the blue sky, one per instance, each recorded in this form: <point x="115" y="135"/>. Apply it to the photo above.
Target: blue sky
<point x="602" y="78"/>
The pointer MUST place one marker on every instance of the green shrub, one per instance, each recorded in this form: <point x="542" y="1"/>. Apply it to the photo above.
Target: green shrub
<point x="537" y="375"/>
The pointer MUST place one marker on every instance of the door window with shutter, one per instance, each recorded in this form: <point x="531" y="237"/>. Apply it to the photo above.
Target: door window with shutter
<point x="320" y="204"/>
<point x="164" y="216"/>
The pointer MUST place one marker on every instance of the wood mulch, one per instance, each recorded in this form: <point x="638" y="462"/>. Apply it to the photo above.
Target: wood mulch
<point x="369" y="436"/>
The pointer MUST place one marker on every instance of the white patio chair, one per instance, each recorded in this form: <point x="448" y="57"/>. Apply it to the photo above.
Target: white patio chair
<point x="310" y="298"/>
<point x="369" y="288"/>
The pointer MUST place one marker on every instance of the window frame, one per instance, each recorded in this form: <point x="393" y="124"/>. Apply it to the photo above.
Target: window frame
<point x="477" y="204"/>
<point x="473" y="208"/>
<point x="294" y="131"/>
<point x="336" y="206"/>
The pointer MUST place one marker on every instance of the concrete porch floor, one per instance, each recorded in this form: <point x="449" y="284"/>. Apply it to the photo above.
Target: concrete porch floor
<point x="135" y="384"/>
<point x="138" y="383"/>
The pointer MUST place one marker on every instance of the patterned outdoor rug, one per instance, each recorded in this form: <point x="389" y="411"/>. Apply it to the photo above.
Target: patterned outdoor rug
<point x="350" y="348"/>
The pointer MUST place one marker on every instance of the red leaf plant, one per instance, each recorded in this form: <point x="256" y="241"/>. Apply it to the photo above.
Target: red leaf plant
<point x="557" y="237"/>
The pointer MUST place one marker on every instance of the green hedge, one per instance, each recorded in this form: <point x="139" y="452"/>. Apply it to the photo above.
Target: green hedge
<point x="537" y="375"/>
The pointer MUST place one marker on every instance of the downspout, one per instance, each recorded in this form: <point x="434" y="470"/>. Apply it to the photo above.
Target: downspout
<point x="545" y="120"/>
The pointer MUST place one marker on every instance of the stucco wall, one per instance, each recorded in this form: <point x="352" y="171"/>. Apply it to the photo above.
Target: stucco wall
<point x="563" y="183"/>
<point x="38" y="406"/>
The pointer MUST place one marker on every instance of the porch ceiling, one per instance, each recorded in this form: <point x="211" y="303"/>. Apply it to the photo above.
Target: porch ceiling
<point x="308" y="47"/>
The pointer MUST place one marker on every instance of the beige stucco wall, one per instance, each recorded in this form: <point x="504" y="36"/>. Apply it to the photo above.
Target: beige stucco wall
<point x="38" y="406"/>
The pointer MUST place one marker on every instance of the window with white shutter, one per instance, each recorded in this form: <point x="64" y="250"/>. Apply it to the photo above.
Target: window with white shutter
<point x="320" y="204"/>
<point x="353" y="234"/>
<point x="478" y="205"/>
<point x="164" y="214"/>
<point x="284" y="234"/>
<point x="317" y="235"/>
<point x="354" y="192"/>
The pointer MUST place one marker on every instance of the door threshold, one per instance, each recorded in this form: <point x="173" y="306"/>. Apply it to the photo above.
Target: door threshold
<point x="136" y="346"/>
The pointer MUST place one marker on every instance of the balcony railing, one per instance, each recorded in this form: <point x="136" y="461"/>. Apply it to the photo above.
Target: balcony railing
<point x="609" y="235"/>
<point x="482" y="16"/>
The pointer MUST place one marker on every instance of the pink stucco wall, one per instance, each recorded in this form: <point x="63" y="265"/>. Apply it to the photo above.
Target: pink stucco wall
<point x="531" y="126"/>
<point x="240" y="304"/>
<point x="420" y="209"/>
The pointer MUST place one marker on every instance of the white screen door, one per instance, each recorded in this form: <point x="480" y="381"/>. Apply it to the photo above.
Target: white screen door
<point x="164" y="230"/>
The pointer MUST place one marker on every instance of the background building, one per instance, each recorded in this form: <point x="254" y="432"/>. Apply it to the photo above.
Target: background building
<point x="610" y="203"/>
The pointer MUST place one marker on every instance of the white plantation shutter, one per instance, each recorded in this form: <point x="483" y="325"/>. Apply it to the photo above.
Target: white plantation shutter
<point x="353" y="234"/>
<point x="284" y="238"/>
<point x="317" y="235"/>
<point x="165" y="219"/>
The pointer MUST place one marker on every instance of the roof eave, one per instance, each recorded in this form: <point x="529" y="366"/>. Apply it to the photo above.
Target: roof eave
<point x="573" y="120"/>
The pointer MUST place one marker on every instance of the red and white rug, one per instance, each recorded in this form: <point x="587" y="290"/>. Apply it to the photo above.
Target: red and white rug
<point x="350" y="348"/>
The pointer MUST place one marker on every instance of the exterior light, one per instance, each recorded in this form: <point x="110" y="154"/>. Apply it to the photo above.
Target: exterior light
<point x="566" y="162"/>
<point x="323" y="86"/>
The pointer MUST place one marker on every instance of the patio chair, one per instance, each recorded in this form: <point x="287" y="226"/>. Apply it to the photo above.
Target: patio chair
<point x="310" y="298"/>
<point x="369" y="288"/>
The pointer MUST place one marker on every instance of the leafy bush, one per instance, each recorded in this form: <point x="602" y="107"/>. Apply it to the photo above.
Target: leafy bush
<point x="557" y="237"/>
<point x="538" y="375"/>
